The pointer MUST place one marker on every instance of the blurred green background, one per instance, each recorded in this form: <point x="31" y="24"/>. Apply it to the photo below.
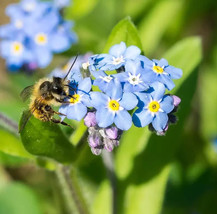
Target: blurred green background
<point x="175" y="174"/>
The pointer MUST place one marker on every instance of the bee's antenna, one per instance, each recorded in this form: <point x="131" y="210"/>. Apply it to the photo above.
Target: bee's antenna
<point x="71" y="66"/>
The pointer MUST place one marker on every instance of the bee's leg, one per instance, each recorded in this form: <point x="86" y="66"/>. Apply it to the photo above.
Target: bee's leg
<point x="61" y="122"/>
<point x="59" y="113"/>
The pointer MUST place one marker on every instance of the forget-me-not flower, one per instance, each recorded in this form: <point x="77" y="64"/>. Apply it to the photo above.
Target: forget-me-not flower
<point x="104" y="81"/>
<point x="118" y="56"/>
<point x="154" y="107"/>
<point x="112" y="106"/>
<point x="160" y="70"/>
<point x="76" y="109"/>
<point x="133" y="79"/>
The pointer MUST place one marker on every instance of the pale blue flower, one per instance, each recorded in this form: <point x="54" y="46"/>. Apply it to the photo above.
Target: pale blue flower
<point x="160" y="70"/>
<point x="154" y="107"/>
<point x="112" y="107"/>
<point x="76" y="109"/>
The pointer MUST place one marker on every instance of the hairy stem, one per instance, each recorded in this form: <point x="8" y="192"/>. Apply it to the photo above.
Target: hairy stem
<point x="109" y="164"/>
<point x="8" y="123"/>
<point x="73" y="197"/>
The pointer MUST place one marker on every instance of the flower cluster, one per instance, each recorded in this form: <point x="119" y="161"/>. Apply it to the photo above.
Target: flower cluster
<point x="36" y="31"/>
<point x="134" y="94"/>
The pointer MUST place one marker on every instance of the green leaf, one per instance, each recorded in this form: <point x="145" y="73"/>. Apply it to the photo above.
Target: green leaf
<point x="124" y="31"/>
<point x="17" y="198"/>
<point x="143" y="156"/>
<point x="153" y="26"/>
<point x="46" y="139"/>
<point x="79" y="8"/>
<point x="12" y="145"/>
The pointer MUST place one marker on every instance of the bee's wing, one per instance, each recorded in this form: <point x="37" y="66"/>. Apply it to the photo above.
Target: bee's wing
<point x="25" y="117"/>
<point x="26" y="93"/>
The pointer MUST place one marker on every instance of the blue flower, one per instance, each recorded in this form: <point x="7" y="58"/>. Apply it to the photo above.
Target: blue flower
<point x="118" y="56"/>
<point x="112" y="107"/>
<point x="154" y="107"/>
<point x="160" y="70"/>
<point x="15" y="53"/>
<point x="104" y="81"/>
<point x="75" y="74"/>
<point x="43" y="29"/>
<point x="76" y="109"/>
<point x="133" y="78"/>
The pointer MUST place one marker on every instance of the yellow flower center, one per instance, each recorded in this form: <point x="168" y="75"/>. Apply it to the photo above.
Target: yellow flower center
<point x="154" y="106"/>
<point x="17" y="48"/>
<point x="75" y="98"/>
<point x="113" y="105"/>
<point x="41" y="38"/>
<point x="158" y="69"/>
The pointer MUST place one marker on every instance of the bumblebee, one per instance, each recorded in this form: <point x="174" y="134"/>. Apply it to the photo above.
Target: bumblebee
<point x="45" y="94"/>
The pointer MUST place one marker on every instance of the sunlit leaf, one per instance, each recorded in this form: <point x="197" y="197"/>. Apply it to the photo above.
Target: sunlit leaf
<point x="124" y="31"/>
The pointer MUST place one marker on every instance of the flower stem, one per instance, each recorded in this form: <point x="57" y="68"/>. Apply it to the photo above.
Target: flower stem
<point x="109" y="164"/>
<point x="9" y="124"/>
<point x="71" y="192"/>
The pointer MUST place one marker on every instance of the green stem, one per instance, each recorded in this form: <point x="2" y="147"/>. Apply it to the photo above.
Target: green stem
<point x="11" y="125"/>
<point x="108" y="161"/>
<point x="78" y="134"/>
<point x="70" y="189"/>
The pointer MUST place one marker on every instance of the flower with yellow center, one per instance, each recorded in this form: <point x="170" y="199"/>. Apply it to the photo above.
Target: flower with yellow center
<point x="154" y="106"/>
<point x="16" y="48"/>
<point x="41" y="38"/>
<point x="75" y="99"/>
<point x="157" y="69"/>
<point x="114" y="105"/>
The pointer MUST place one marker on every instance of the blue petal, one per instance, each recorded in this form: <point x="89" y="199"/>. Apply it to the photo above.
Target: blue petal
<point x="142" y="117"/>
<point x="159" y="90"/>
<point x="117" y="50"/>
<point x="122" y="77"/>
<point x="84" y="85"/>
<point x="86" y="100"/>
<point x="143" y="99"/>
<point x="99" y="74"/>
<point x="131" y="67"/>
<point x="160" y="121"/>
<point x="59" y="43"/>
<point x="128" y="101"/>
<point x="98" y="99"/>
<point x="123" y="120"/>
<point x="104" y="117"/>
<point x="166" y="79"/>
<point x="175" y="73"/>
<point x="161" y="62"/>
<point x="115" y="92"/>
<point x="145" y="62"/>
<point x="43" y="56"/>
<point x="5" y="48"/>
<point x="167" y="104"/>
<point x="76" y="111"/>
<point x="132" y="52"/>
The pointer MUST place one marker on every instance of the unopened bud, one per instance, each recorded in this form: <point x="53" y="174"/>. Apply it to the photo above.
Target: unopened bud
<point x="90" y="119"/>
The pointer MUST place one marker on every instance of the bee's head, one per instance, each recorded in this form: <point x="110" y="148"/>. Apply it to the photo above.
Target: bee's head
<point x="57" y="86"/>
